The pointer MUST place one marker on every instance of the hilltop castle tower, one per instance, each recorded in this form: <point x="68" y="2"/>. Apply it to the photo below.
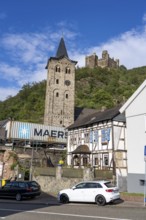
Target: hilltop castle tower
<point x="92" y="61"/>
<point x="60" y="89"/>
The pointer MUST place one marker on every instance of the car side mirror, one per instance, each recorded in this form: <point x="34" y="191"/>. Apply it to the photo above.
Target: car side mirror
<point x="73" y="187"/>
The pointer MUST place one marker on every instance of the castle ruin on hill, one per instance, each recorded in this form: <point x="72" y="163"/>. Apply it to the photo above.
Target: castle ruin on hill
<point x="92" y="61"/>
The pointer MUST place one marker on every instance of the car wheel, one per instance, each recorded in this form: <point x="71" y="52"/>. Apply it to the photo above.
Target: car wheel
<point x="100" y="200"/>
<point x="64" y="198"/>
<point x="18" y="197"/>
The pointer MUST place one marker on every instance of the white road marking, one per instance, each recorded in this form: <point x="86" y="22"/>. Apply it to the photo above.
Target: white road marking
<point x="64" y="214"/>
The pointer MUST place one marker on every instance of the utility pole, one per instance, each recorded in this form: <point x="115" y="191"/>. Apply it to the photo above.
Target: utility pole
<point x="31" y="163"/>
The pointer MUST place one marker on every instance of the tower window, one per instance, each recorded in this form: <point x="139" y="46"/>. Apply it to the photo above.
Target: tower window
<point x="57" y="69"/>
<point x="57" y="94"/>
<point x="61" y="122"/>
<point x="57" y="81"/>
<point x="67" y="70"/>
<point x="66" y="96"/>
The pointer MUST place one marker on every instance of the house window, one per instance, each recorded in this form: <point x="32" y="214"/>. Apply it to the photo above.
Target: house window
<point x="105" y="134"/>
<point x="105" y="160"/>
<point x="96" y="161"/>
<point x="85" y="161"/>
<point x="95" y="136"/>
<point x="75" y="140"/>
<point x="86" y="137"/>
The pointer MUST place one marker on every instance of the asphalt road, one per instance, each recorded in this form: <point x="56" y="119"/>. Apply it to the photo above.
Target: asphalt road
<point x="24" y="210"/>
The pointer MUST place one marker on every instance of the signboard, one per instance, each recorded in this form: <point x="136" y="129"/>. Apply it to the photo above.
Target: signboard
<point x="37" y="132"/>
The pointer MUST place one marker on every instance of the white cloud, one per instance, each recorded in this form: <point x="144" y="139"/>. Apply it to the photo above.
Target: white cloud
<point x="129" y="48"/>
<point x="28" y="48"/>
<point x="7" y="92"/>
<point x="9" y="72"/>
<point x="24" y="56"/>
<point x="144" y="17"/>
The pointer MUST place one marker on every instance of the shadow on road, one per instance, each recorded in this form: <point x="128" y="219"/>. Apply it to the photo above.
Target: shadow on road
<point x="117" y="202"/>
<point x="11" y="206"/>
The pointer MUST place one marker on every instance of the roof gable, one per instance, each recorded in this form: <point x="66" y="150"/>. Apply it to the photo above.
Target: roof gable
<point x="133" y="97"/>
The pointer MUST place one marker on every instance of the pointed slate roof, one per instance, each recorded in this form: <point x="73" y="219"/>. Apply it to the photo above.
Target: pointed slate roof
<point x="61" y="51"/>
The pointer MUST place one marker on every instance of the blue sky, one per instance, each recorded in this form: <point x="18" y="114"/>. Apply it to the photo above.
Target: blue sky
<point x="30" y="31"/>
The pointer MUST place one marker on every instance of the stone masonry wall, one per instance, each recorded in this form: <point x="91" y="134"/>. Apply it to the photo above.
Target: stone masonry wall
<point x="53" y="185"/>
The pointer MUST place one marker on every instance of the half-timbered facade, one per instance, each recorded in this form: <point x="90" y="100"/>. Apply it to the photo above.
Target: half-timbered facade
<point x="98" y="141"/>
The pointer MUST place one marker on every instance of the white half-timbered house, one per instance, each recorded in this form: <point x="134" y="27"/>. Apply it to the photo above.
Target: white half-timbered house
<point x="98" y="140"/>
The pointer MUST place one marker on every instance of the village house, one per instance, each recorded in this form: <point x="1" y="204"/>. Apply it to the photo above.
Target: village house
<point x="98" y="141"/>
<point x="135" y="113"/>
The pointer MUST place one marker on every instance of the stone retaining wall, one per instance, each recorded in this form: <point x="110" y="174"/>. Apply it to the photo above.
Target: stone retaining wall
<point x="53" y="185"/>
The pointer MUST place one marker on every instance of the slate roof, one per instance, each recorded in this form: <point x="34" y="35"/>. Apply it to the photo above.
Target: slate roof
<point x="83" y="112"/>
<point x="3" y="122"/>
<point x="98" y="116"/>
<point x="61" y="53"/>
<point x="2" y="129"/>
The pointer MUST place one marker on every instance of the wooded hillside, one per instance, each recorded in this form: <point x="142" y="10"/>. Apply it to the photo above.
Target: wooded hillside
<point x="95" y="88"/>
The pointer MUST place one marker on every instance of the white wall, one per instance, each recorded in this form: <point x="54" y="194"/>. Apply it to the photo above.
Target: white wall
<point x="136" y="136"/>
<point x="137" y="106"/>
<point x="136" y="140"/>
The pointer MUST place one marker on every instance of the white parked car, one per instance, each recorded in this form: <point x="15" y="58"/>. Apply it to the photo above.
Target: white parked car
<point x="99" y="192"/>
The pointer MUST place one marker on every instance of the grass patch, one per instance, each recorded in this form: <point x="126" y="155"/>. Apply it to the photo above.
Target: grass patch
<point x="131" y="194"/>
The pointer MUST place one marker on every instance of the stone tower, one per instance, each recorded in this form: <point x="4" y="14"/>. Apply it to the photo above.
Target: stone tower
<point x="60" y="90"/>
